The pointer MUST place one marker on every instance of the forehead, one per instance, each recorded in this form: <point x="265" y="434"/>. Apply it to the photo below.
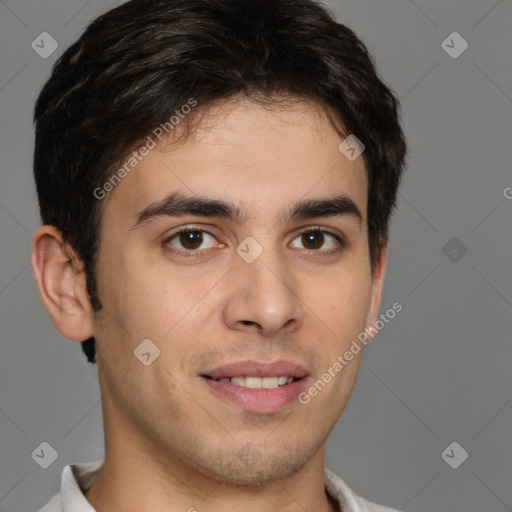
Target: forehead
<point x="260" y="157"/>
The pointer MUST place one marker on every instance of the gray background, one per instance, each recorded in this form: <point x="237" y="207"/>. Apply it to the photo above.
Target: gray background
<point x="437" y="373"/>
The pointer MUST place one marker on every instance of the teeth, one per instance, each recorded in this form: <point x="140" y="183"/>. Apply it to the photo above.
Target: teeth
<point x="259" y="382"/>
<point x="239" y="381"/>
<point x="270" y="382"/>
<point x="253" y="382"/>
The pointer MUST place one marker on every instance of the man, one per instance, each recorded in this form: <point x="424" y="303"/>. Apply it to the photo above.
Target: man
<point x="215" y="180"/>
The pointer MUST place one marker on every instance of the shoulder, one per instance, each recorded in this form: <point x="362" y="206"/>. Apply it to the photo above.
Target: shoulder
<point x="75" y="480"/>
<point x="54" y="505"/>
<point x="347" y="498"/>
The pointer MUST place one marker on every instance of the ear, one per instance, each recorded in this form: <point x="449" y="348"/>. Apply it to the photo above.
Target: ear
<point x="61" y="284"/>
<point x="379" y="273"/>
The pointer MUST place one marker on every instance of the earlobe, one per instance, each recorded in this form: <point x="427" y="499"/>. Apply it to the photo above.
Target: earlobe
<point x="377" y="285"/>
<point x="61" y="284"/>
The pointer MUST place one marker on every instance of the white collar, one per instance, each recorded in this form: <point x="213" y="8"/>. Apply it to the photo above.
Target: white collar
<point x="77" y="478"/>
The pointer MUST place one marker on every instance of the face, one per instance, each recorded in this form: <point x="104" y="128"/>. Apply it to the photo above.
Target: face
<point x="270" y="292"/>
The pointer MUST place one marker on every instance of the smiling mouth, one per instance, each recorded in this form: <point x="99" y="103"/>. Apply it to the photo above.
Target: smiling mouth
<point x="250" y="382"/>
<point x="257" y="386"/>
<point x="256" y="393"/>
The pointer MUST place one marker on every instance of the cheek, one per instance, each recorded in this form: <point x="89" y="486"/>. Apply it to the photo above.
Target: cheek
<point x="143" y="302"/>
<point x="343" y="301"/>
<point x="156" y="304"/>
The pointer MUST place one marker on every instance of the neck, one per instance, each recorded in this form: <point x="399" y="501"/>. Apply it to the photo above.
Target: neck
<point x="134" y="480"/>
<point x="141" y="474"/>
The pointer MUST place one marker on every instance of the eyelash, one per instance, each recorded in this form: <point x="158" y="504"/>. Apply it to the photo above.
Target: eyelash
<point x="198" y="253"/>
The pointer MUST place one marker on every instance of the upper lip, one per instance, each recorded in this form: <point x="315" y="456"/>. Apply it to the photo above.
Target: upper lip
<point x="257" y="369"/>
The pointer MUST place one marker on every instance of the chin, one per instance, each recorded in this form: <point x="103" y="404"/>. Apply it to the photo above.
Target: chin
<point x="252" y="467"/>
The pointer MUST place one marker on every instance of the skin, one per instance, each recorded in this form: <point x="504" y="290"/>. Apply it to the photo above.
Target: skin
<point x="171" y="443"/>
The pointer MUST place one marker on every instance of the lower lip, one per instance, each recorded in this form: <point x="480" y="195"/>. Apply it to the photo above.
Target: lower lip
<point x="257" y="400"/>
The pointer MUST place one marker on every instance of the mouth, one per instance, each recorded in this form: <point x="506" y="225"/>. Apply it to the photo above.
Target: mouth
<point x="276" y="381"/>
<point x="255" y="386"/>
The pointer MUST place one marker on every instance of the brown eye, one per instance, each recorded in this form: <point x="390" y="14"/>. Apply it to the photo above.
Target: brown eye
<point x="190" y="239"/>
<point x="316" y="239"/>
<point x="312" y="239"/>
<point x="190" y="242"/>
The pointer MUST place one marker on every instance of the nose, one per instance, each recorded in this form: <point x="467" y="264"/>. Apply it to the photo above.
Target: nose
<point x="263" y="297"/>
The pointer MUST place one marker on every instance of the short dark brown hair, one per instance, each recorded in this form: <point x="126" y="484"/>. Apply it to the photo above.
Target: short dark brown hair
<point x="134" y="66"/>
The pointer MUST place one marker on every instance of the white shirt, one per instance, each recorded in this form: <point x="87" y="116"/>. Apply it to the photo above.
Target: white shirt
<point x="77" y="478"/>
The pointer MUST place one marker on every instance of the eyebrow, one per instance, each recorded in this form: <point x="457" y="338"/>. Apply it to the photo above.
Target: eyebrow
<point x="179" y="204"/>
